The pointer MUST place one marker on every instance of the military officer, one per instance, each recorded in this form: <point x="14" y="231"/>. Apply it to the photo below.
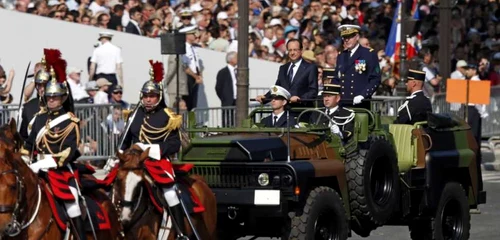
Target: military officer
<point x="36" y="105"/>
<point x="280" y="98"/>
<point x="156" y="127"/>
<point x="54" y="140"/>
<point x="358" y="70"/>
<point x="342" y="119"/>
<point x="417" y="105"/>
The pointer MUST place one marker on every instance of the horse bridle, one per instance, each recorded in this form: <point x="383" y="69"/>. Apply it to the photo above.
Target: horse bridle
<point x="132" y="204"/>
<point x="14" y="227"/>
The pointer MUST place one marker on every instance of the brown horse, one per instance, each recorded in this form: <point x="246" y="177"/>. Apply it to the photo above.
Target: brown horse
<point x="140" y="219"/>
<point x="24" y="207"/>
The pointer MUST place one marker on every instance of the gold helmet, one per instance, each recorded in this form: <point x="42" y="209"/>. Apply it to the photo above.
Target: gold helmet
<point x="42" y="76"/>
<point x="57" y="85"/>
<point x="154" y="85"/>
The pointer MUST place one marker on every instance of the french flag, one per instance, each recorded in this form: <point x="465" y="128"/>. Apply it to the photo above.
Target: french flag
<point x="394" y="40"/>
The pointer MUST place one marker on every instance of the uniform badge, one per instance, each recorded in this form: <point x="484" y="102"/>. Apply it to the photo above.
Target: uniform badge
<point x="360" y="66"/>
<point x="275" y="89"/>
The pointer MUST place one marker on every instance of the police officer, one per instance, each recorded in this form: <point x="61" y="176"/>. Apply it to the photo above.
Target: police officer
<point x="358" y="70"/>
<point x="417" y="105"/>
<point x="54" y="140"/>
<point x="156" y="127"/>
<point x="280" y="98"/>
<point x="36" y="105"/>
<point x="341" y="123"/>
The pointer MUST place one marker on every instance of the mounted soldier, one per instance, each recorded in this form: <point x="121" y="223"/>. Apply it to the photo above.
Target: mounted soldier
<point x="36" y="105"/>
<point x="156" y="127"/>
<point x="54" y="139"/>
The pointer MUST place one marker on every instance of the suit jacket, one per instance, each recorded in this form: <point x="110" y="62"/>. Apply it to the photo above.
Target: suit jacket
<point x="364" y="81"/>
<point x="131" y="28"/>
<point x="29" y="110"/>
<point x="304" y="83"/>
<point x="268" y="121"/>
<point x="414" y="109"/>
<point x="224" y="87"/>
<point x="341" y="115"/>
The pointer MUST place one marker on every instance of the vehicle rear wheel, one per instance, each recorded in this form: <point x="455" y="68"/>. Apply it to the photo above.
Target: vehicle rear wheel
<point x="452" y="219"/>
<point x="373" y="181"/>
<point x="323" y="217"/>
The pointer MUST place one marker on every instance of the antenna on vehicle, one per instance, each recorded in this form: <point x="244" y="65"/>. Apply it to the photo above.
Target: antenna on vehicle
<point x="287" y="108"/>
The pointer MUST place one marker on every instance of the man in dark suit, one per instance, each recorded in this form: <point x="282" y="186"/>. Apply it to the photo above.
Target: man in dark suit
<point x="298" y="77"/>
<point x="35" y="105"/>
<point x="133" y="25"/>
<point x="225" y="88"/>
<point x="357" y="70"/>
<point x="280" y="97"/>
<point x="417" y="105"/>
<point x="342" y="123"/>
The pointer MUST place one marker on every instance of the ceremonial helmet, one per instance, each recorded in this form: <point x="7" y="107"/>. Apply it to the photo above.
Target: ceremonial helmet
<point x="43" y="75"/>
<point x="57" y="86"/>
<point x="154" y="85"/>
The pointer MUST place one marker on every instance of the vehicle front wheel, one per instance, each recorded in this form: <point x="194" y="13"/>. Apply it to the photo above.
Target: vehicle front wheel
<point x="323" y="217"/>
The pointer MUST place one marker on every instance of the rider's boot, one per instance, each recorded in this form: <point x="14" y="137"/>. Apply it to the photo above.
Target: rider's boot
<point x="178" y="216"/>
<point x="80" y="227"/>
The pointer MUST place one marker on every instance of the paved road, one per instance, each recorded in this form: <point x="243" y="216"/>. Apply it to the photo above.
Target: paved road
<point x="484" y="226"/>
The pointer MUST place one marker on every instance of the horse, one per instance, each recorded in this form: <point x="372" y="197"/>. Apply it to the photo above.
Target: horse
<point x="25" y="210"/>
<point x="142" y="220"/>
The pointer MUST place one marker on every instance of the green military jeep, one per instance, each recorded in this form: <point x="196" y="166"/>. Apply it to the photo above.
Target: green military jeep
<point x="308" y="184"/>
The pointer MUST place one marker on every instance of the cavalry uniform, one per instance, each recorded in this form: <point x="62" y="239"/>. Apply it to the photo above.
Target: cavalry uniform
<point x="417" y="105"/>
<point x="35" y="106"/>
<point x="357" y="71"/>
<point x="342" y="118"/>
<point x="158" y="129"/>
<point x="54" y="139"/>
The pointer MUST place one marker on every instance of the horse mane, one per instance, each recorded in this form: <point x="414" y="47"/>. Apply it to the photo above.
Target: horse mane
<point x="131" y="158"/>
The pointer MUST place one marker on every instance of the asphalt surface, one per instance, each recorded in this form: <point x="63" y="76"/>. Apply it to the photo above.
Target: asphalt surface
<point x="484" y="226"/>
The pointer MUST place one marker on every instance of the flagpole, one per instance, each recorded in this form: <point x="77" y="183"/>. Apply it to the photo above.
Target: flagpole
<point x="402" y="44"/>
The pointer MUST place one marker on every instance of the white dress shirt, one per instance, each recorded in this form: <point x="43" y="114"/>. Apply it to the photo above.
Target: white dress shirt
<point x="233" y="77"/>
<point x="354" y="50"/>
<point x="193" y="57"/>
<point x="77" y="90"/>
<point x="101" y="98"/>
<point x="295" y="69"/>
<point x="277" y="119"/>
<point x="106" y="57"/>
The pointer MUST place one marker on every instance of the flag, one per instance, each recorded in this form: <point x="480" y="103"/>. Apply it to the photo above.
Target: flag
<point x="414" y="10"/>
<point x="394" y="41"/>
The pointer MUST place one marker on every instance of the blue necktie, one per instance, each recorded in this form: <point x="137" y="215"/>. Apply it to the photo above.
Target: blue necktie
<point x="290" y="73"/>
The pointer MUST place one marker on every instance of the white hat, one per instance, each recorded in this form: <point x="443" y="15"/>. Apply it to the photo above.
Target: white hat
<point x="461" y="63"/>
<point x="274" y="22"/>
<point x="71" y="70"/>
<point x="105" y="34"/>
<point x="188" y="29"/>
<point x="186" y="12"/>
<point x="91" y="86"/>
<point x="222" y="15"/>
<point x="279" y="91"/>
<point x="196" y="7"/>
<point x="348" y="29"/>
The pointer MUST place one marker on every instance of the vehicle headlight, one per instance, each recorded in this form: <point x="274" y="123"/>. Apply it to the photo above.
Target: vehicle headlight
<point x="263" y="179"/>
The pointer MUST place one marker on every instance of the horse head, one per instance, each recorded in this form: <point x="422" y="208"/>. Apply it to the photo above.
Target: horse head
<point x="11" y="191"/>
<point x="129" y="179"/>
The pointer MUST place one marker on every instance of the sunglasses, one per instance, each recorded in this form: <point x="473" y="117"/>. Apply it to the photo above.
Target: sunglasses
<point x="117" y="92"/>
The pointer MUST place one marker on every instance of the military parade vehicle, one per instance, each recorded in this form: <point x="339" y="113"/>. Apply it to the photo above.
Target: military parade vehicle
<point x="306" y="183"/>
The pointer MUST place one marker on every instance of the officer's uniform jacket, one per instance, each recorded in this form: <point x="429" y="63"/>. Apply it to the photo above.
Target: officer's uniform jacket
<point x="158" y="127"/>
<point x="55" y="134"/>
<point x="344" y="118"/>
<point x="28" y="115"/>
<point x="414" y="109"/>
<point x="359" y="74"/>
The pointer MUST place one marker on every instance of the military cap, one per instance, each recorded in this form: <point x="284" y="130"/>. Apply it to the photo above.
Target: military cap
<point x="348" y="29"/>
<point x="118" y="88"/>
<point x="188" y="30"/>
<point x="91" y="86"/>
<point x="105" y="35"/>
<point x="333" y="89"/>
<point x="277" y="91"/>
<point x="416" y="75"/>
<point x="186" y="13"/>
<point x="328" y="73"/>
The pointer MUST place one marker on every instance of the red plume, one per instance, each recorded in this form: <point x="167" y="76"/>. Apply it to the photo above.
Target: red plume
<point x="157" y="71"/>
<point x="53" y="59"/>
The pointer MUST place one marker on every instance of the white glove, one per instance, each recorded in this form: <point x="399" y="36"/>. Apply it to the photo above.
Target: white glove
<point x="358" y="99"/>
<point x="154" y="150"/>
<point x="110" y="164"/>
<point x="26" y="159"/>
<point x="336" y="130"/>
<point x="484" y="115"/>
<point x="44" y="164"/>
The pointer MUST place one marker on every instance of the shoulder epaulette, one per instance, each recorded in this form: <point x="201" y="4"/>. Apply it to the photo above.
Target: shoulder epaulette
<point x="174" y="121"/>
<point x="73" y="117"/>
<point x="371" y="50"/>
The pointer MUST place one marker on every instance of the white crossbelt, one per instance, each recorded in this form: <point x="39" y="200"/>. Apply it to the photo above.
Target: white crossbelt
<point x="52" y="124"/>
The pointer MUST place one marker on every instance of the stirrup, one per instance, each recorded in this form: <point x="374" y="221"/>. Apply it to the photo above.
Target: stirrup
<point x="182" y="238"/>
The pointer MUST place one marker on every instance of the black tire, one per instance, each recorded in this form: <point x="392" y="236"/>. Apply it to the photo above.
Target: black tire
<point x="323" y="217"/>
<point x="373" y="181"/>
<point x="452" y="219"/>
